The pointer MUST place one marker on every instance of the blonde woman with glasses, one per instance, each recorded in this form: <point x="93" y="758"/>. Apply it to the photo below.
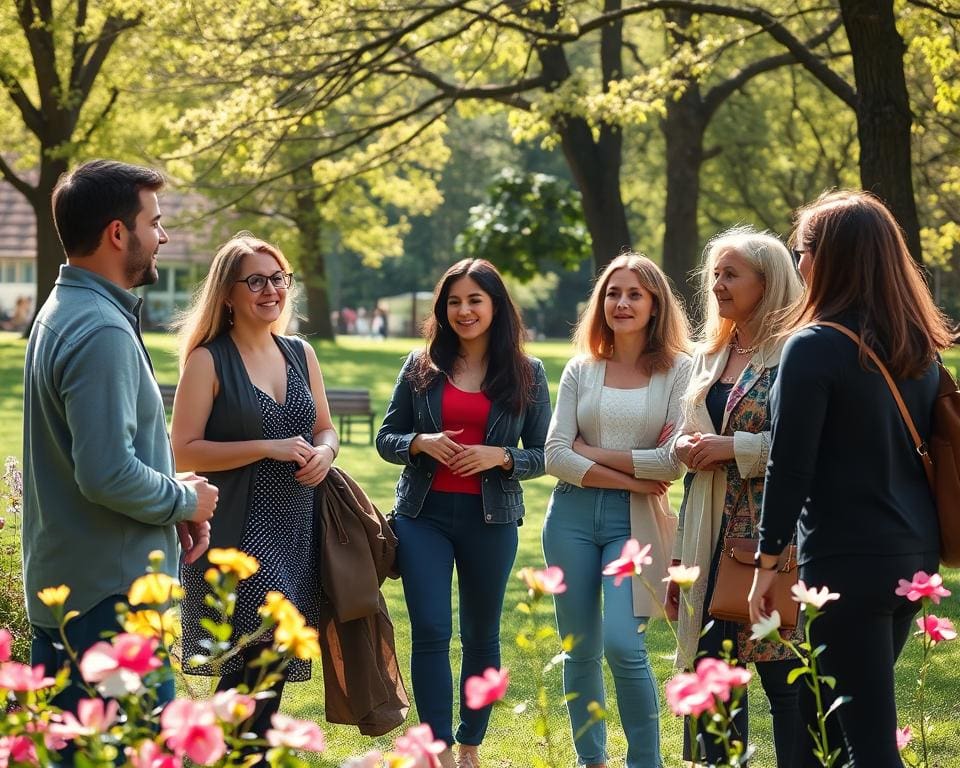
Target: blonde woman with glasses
<point x="251" y="412"/>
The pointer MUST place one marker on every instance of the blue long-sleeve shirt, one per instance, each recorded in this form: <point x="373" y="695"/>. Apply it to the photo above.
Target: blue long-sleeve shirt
<point x="98" y="490"/>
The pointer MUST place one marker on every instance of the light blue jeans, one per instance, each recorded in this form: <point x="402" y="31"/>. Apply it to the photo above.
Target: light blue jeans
<point x="585" y="528"/>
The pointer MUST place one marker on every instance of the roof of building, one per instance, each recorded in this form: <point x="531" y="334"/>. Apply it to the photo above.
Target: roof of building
<point x="188" y="243"/>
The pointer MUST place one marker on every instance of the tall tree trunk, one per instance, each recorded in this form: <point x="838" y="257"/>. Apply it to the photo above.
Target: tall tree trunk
<point x="49" y="251"/>
<point x="883" y="110"/>
<point x="312" y="261"/>
<point x="594" y="164"/>
<point x="683" y="128"/>
<point x="595" y="167"/>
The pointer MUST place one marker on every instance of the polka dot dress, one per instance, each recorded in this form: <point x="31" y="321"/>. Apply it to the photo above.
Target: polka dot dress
<point x="278" y="532"/>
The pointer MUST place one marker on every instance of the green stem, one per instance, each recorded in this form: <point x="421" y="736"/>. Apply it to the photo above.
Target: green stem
<point x="921" y="686"/>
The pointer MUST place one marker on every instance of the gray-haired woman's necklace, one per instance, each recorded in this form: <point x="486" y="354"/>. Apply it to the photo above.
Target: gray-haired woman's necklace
<point x="735" y="343"/>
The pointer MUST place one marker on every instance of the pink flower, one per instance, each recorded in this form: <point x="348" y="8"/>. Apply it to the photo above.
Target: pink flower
<point x="232" y="707"/>
<point x="296" y="734"/>
<point x="686" y="695"/>
<point x="630" y="563"/>
<point x="15" y="676"/>
<point x="16" y="750"/>
<point x="904" y="736"/>
<point x="548" y="581"/>
<point x="6" y="640"/>
<point x="418" y="743"/>
<point x="923" y="586"/>
<point x="371" y="759"/>
<point x="483" y="691"/>
<point x="116" y="667"/>
<point x="719" y="677"/>
<point x="150" y="755"/>
<point x="693" y="693"/>
<point x="93" y="716"/>
<point x="937" y="629"/>
<point x="190" y="728"/>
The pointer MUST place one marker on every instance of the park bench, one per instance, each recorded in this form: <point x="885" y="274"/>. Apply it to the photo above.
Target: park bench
<point x="349" y="406"/>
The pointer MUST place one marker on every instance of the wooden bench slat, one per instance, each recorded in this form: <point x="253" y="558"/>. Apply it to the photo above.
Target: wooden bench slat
<point x="349" y="405"/>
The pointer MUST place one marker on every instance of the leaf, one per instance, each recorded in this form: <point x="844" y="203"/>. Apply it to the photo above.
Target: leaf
<point x="796" y="673"/>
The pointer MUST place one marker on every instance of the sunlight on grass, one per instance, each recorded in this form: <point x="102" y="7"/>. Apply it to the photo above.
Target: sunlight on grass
<point x="360" y="362"/>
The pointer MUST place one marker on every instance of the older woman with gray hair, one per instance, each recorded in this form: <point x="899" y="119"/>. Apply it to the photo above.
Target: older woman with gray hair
<point x="749" y="283"/>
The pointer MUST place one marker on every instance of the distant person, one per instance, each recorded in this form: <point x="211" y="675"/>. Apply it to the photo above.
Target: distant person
<point x="99" y="492"/>
<point x="458" y="413"/>
<point x="378" y="326"/>
<point x="842" y="463"/>
<point x="749" y="282"/>
<point x="617" y="411"/>
<point x="251" y="412"/>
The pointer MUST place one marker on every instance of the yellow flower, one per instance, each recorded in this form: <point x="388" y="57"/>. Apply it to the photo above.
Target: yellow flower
<point x="278" y="608"/>
<point x="292" y="635"/>
<point x="54" y="596"/>
<point x="234" y="561"/>
<point x="154" y="589"/>
<point x="153" y="624"/>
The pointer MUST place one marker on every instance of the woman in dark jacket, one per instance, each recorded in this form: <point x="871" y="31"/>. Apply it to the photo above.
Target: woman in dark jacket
<point x="842" y="462"/>
<point x="458" y="412"/>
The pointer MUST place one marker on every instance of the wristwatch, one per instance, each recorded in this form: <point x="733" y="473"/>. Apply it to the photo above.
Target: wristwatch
<point x="506" y="457"/>
<point x="757" y="563"/>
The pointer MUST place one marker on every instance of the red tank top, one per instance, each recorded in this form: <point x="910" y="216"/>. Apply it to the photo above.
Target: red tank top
<point x="468" y="411"/>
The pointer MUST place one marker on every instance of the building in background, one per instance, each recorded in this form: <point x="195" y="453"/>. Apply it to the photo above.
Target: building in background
<point x="182" y="262"/>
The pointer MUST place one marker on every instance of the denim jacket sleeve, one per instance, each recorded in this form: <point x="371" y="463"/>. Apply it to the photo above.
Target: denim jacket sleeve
<point x="399" y="428"/>
<point x="528" y="462"/>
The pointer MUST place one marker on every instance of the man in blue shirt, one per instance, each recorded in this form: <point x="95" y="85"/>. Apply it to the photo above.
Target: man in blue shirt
<point x="99" y="487"/>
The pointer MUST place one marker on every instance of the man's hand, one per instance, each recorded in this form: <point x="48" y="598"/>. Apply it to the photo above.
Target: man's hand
<point x="194" y="539"/>
<point x="207" y="496"/>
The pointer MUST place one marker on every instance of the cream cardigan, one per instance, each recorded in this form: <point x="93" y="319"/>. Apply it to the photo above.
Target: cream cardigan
<point x="702" y="510"/>
<point x="577" y="412"/>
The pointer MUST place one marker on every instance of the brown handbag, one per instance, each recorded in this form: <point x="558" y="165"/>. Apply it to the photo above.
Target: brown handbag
<point x="735" y="578"/>
<point x="941" y="458"/>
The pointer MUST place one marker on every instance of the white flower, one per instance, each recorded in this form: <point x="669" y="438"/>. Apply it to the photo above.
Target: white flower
<point x="766" y="627"/>
<point x="683" y="576"/>
<point x="122" y="682"/>
<point x="811" y="596"/>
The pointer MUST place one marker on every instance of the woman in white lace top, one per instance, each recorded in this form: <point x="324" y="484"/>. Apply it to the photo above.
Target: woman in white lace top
<point x="608" y="444"/>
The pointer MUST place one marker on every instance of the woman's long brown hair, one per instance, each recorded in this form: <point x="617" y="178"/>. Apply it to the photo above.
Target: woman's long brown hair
<point x="861" y="263"/>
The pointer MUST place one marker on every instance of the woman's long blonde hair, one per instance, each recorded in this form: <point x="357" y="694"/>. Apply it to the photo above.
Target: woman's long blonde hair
<point x="206" y="318"/>
<point x="668" y="333"/>
<point x="782" y="290"/>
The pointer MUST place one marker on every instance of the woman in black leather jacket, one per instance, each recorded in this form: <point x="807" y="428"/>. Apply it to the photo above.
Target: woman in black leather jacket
<point x="457" y="415"/>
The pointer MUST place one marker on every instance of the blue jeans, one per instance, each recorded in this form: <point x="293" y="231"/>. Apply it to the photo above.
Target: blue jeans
<point x="450" y="531"/>
<point x="586" y="528"/>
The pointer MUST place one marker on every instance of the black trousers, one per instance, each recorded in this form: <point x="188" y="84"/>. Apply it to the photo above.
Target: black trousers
<point x="248" y="675"/>
<point x="864" y="632"/>
<point x="783" y="698"/>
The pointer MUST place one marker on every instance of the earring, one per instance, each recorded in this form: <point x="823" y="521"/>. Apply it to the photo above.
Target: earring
<point x="230" y="314"/>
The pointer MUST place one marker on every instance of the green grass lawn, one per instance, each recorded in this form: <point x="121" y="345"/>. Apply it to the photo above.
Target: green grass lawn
<point x="510" y="741"/>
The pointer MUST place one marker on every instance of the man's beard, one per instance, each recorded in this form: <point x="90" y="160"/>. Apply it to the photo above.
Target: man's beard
<point x="139" y="268"/>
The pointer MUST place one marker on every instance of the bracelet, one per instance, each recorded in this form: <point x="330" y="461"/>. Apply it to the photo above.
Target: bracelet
<point x="327" y="445"/>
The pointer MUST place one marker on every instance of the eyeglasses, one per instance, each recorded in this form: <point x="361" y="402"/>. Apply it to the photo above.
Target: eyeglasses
<point x="257" y="283"/>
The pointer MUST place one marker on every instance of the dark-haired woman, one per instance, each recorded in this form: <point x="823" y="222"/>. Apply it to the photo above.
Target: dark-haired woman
<point x="458" y="412"/>
<point x="842" y="462"/>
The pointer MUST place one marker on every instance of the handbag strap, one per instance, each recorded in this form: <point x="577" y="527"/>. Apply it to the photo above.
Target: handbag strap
<point x="919" y="444"/>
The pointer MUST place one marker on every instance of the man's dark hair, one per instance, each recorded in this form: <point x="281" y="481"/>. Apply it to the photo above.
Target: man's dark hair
<point x="86" y="200"/>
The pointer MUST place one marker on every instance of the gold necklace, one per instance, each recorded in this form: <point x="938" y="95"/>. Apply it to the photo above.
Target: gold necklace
<point x="735" y="343"/>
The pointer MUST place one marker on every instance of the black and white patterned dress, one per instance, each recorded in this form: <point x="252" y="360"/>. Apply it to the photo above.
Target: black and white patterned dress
<point x="278" y="532"/>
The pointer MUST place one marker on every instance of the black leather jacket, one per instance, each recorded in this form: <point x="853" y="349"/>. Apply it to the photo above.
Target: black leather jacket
<point x="411" y="413"/>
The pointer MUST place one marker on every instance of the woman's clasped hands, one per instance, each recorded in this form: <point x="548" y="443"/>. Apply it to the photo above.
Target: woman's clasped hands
<point x="314" y="460"/>
<point x="704" y="451"/>
<point x="463" y="460"/>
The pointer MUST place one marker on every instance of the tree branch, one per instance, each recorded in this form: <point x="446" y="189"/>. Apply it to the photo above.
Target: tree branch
<point x="935" y="8"/>
<point x="32" y="117"/>
<point x="16" y="182"/>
